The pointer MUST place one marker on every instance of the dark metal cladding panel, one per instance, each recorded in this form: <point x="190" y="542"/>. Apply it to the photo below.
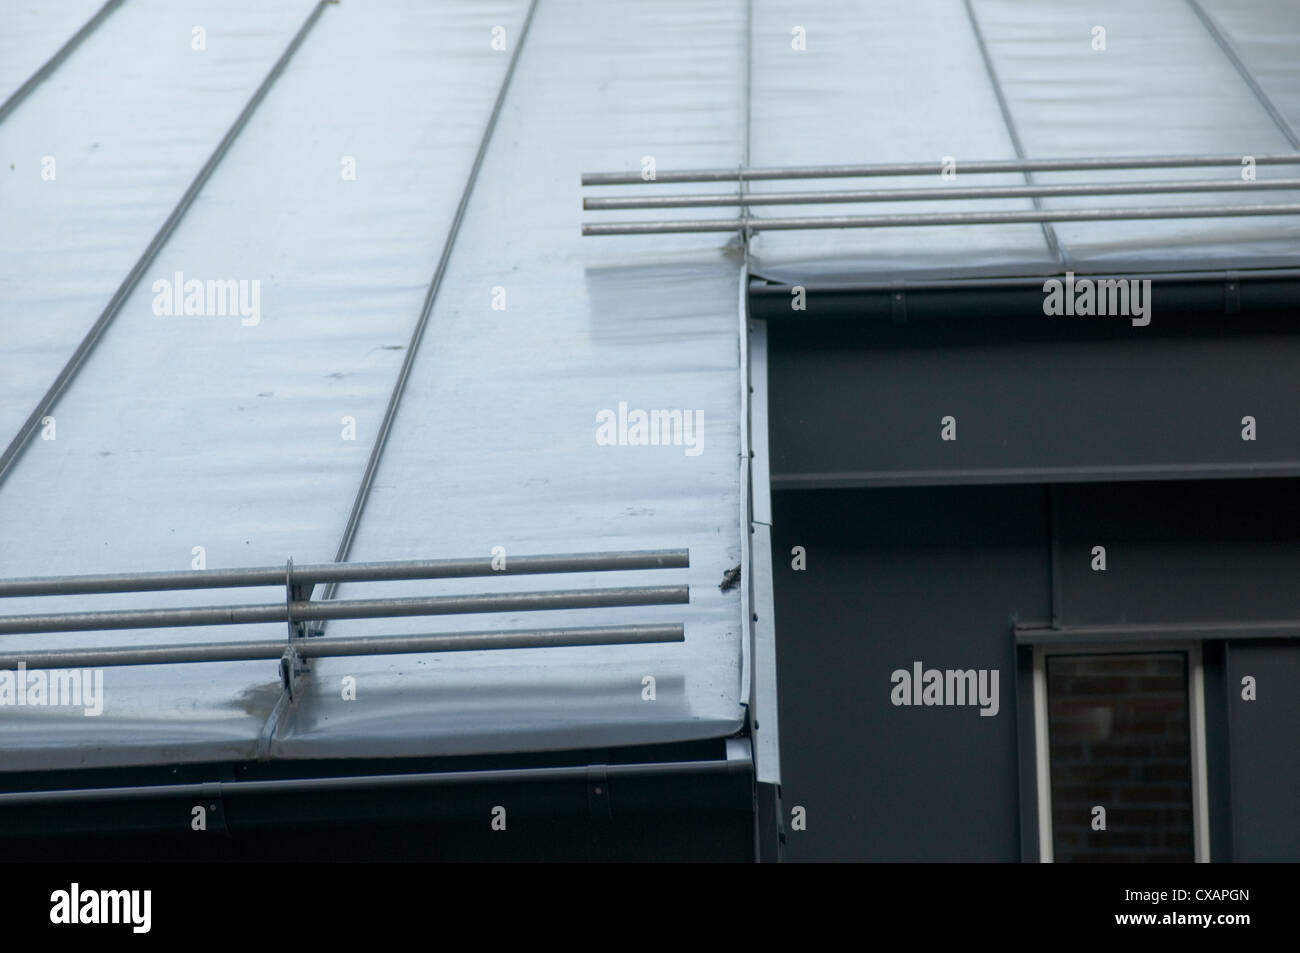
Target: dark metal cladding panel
<point x="869" y="407"/>
<point x="1217" y="551"/>
<point x="894" y="577"/>
<point x="1265" y="739"/>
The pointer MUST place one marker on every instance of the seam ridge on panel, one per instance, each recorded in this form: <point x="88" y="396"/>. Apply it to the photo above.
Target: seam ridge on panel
<point x="19" y="442"/>
<point x="1049" y="233"/>
<point x="1221" y="38"/>
<point x="385" y="426"/>
<point x="743" y="182"/>
<point x="53" y="63"/>
<point x="274" y="719"/>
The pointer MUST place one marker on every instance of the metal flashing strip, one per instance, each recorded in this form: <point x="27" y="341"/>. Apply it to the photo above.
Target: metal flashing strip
<point x="762" y="606"/>
<point x="19" y="443"/>
<point x="747" y="594"/>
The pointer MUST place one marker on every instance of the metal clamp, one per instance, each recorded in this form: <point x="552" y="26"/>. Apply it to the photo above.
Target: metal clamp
<point x="745" y="232"/>
<point x="292" y="664"/>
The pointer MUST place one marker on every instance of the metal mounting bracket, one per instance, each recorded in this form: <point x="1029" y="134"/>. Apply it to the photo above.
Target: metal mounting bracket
<point x="292" y="664"/>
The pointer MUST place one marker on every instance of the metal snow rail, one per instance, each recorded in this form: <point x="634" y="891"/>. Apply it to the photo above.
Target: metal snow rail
<point x="304" y="611"/>
<point x="941" y="218"/>
<point x="932" y="194"/>
<point x="981" y="166"/>
<point x="338" y="648"/>
<point x="746" y="200"/>
<point x="312" y="574"/>
<point x="297" y="610"/>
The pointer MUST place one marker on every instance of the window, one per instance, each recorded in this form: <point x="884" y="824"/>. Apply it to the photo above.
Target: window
<point x="1121" y="754"/>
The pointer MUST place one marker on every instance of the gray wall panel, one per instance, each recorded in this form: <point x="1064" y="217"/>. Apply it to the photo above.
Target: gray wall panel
<point x="1218" y="551"/>
<point x="1265" y="739"/>
<point x="896" y="576"/>
<point x="859" y="409"/>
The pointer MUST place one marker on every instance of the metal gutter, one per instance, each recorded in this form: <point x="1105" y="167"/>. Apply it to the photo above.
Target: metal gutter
<point x="1106" y="473"/>
<point x="1272" y="292"/>
<point x="223" y="789"/>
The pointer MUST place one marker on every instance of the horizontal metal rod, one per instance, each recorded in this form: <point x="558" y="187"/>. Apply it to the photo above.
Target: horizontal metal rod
<point x="933" y="193"/>
<point x="215" y="789"/>
<point x="1156" y="631"/>
<point x="345" y="609"/>
<point x="942" y="218"/>
<point x="346" y="572"/>
<point x="346" y="647"/>
<point x="979" y="166"/>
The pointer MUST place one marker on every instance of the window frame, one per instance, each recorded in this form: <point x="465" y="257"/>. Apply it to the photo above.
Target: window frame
<point x="1196" y="727"/>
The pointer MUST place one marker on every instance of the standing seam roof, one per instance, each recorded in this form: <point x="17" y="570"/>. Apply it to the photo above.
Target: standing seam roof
<point x="184" y="431"/>
<point x="348" y="191"/>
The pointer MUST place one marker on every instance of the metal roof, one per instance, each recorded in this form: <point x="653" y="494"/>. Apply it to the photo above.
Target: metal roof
<point x="920" y="81"/>
<point x="179" y="432"/>
<point x="949" y="85"/>
<point x="448" y="280"/>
